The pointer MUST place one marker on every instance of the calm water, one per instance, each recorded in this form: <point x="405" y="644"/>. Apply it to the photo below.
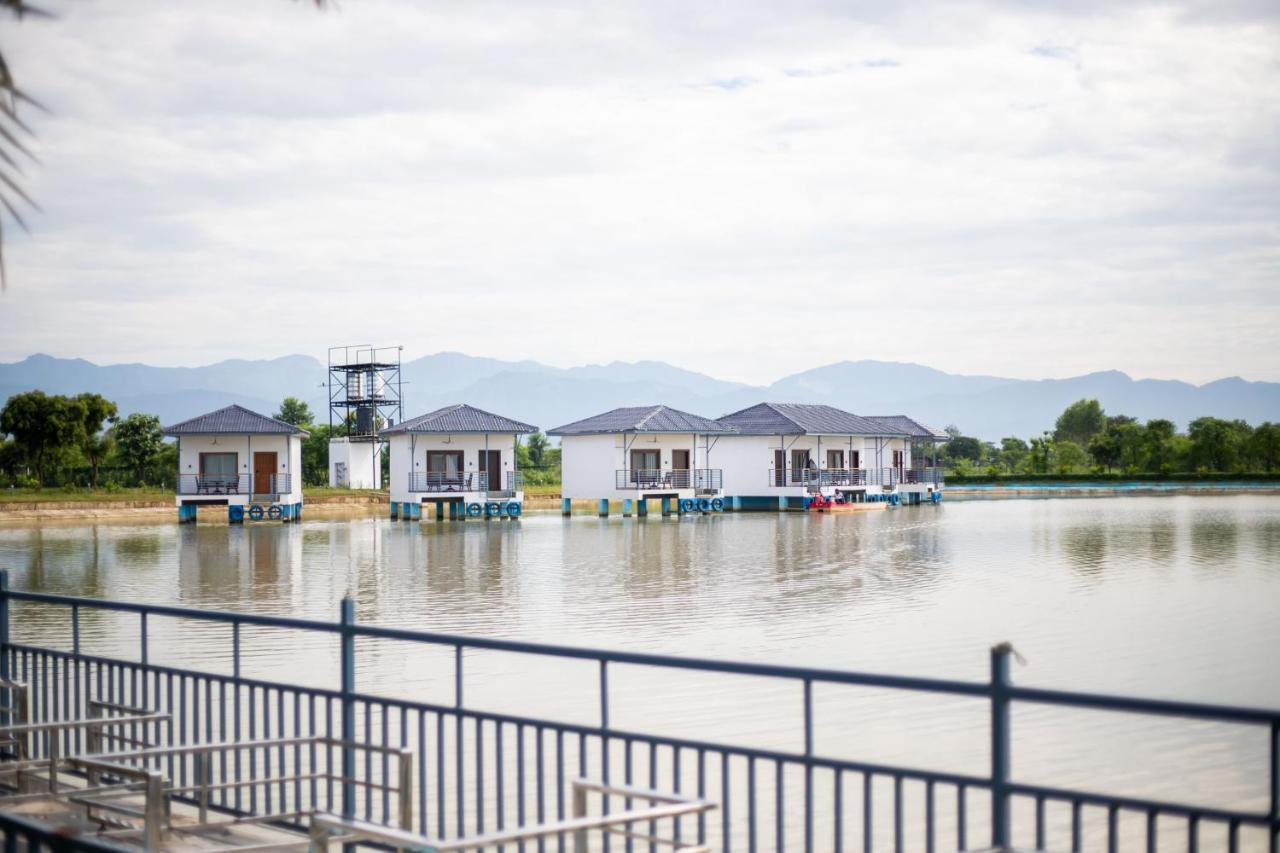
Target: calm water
<point x="1158" y="596"/>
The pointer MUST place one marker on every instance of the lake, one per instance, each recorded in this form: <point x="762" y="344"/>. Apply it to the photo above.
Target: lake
<point x="1171" y="597"/>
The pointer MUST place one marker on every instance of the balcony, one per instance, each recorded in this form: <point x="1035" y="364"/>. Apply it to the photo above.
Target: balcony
<point x="214" y="484"/>
<point x="514" y="482"/>
<point x="436" y="482"/>
<point x="815" y="479"/>
<point x="699" y="479"/>
<point x="220" y="485"/>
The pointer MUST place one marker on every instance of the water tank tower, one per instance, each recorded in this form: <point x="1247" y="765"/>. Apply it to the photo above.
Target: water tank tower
<point x="365" y="397"/>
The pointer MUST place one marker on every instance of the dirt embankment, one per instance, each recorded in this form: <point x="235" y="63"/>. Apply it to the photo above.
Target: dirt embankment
<point x="328" y="506"/>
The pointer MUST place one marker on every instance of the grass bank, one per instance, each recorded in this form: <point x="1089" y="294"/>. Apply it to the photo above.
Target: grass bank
<point x="1109" y="479"/>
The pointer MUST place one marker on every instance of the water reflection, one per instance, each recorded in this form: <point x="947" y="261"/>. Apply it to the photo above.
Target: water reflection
<point x="919" y="591"/>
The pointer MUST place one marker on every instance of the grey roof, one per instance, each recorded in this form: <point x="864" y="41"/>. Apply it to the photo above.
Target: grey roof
<point x="233" y="419"/>
<point x="642" y="419"/>
<point x="459" y="418"/>
<point x="804" y="419"/>
<point x="911" y="426"/>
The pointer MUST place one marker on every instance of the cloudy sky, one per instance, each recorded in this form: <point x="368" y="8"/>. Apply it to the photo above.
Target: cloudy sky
<point x="745" y="189"/>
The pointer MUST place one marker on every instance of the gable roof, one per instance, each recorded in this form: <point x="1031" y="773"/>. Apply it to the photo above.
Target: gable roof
<point x="804" y="419"/>
<point x="459" y="418"/>
<point x="910" y="426"/>
<point x="642" y="419"/>
<point x="233" y="419"/>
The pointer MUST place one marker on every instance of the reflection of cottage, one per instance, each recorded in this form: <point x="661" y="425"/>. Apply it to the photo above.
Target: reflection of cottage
<point x="247" y="462"/>
<point x="457" y="457"/>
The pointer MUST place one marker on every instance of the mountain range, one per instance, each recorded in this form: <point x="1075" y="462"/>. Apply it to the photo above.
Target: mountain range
<point x="989" y="407"/>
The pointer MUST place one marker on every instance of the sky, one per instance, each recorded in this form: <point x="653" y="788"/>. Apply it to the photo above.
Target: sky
<point x="745" y="189"/>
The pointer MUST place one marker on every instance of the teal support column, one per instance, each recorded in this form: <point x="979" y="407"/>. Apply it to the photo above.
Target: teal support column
<point x="666" y="506"/>
<point x="782" y="503"/>
<point x="604" y="507"/>
<point x="626" y="508"/>
<point x="439" y="511"/>
<point x="187" y="514"/>
<point x="642" y="507"/>
<point x="297" y="511"/>
<point x="565" y="505"/>
<point x="736" y="503"/>
<point x="395" y="510"/>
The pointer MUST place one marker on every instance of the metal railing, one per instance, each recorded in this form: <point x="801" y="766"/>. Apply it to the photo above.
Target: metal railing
<point x="514" y="482"/>
<point x="234" y="484"/>
<point x="701" y="479"/>
<point x="214" y="484"/>
<point x="580" y="827"/>
<point x="922" y="476"/>
<point x="472" y="762"/>
<point x="817" y="478"/>
<point x="444" y="483"/>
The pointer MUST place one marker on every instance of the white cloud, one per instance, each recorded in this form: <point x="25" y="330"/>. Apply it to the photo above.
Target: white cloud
<point x="746" y="191"/>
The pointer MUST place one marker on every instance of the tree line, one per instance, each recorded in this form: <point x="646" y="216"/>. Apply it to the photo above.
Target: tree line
<point x="55" y="440"/>
<point x="1086" y="440"/>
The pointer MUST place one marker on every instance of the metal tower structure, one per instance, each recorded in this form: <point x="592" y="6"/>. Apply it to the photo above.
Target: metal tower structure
<point x="365" y="391"/>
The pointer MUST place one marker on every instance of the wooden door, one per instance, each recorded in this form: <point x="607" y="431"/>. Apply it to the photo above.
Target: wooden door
<point x="491" y="464"/>
<point x="264" y="466"/>
<point x="680" y="460"/>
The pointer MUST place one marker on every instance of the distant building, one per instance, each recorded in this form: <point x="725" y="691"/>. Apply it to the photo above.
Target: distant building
<point x="639" y="453"/>
<point x="781" y="453"/>
<point x="457" y="456"/>
<point x="237" y="458"/>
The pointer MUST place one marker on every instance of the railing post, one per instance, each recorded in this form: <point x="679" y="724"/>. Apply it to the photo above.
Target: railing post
<point x="4" y="628"/>
<point x="1275" y="786"/>
<point x="347" y="613"/>
<point x="1000" y="746"/>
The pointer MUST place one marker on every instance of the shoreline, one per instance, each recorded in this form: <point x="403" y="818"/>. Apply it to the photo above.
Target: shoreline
<point x="375" y="504"/>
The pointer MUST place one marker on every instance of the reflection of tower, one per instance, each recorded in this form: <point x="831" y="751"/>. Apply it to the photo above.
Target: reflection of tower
<point x="364" y="399"/>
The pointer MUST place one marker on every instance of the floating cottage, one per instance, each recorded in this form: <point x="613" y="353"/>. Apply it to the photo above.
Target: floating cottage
<point x="460" y="459"/>
<point x="779" y="455"/>
<point x="237" y="458"/>
<point x="639" y="454"/>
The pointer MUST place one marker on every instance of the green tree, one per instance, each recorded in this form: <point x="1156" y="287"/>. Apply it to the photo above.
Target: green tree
<point x="97" y="412"/>
<point x="963" y="447"/>
<point x="315" y="454"/>
<point x="1157" y="441"/>
<point x="294" y="411"/>
<point x="139" y="440"/>
<point x="1264" y="447"/>
<point x="1013" y="452"/>
<point x="1069" y="456"/>
<point x="42" y="426"/>
<point x="537" y="445"/>
<point x="1041" y="454"/>
<point x="1216" y="444"/>
<point x="1080" y="422"/>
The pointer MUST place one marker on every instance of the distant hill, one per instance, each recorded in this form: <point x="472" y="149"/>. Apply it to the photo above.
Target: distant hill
<point x="986" y="406"/>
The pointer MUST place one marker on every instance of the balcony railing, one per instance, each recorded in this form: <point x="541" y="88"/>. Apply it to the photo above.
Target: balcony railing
<point x="816" y="478"/>
<point x="922" y="475"/>
<point x="514" y="481"/>
<point x="700" y="479"/>
<point x="441" y="482"/>
<point x="214" y="484"/>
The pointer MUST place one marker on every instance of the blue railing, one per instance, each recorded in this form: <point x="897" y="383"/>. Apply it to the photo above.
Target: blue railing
<point x="469" y="781"/>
